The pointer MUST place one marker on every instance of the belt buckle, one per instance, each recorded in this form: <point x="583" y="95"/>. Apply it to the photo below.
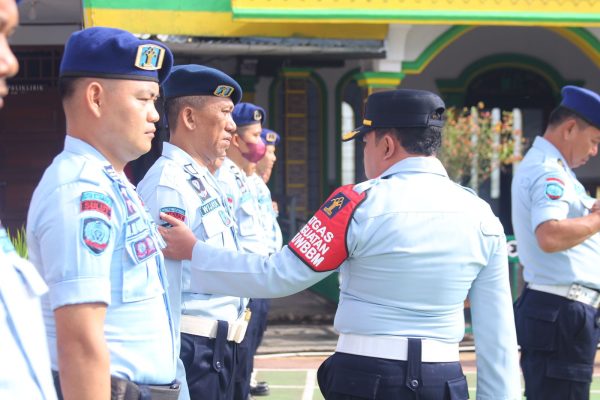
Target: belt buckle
<point x="574" y="291"/>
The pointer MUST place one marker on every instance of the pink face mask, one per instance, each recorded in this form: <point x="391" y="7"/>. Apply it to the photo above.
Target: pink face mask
<point x="256" y="151"/>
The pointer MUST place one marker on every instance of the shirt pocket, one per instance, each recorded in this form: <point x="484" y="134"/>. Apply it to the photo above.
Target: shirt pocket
<point x="248" y="219"/>
<point x="141" y="275"/>
<point x="213" y="224"/>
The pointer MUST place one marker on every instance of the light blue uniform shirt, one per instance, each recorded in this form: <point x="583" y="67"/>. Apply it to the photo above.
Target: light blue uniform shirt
<point x="418" y="245"/>
<point x="268" y="216"/>
<point x="179" y="186"/>
<point x="242" y="199"/>
<point x="544" y="188"/>
<point x="93" y="242"/>
<point x="24" y="360"/>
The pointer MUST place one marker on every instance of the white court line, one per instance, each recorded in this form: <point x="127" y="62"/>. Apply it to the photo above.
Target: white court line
<point x="309" y="386"/>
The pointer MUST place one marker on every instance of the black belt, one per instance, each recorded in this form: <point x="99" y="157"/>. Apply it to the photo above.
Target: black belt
<point x="123" y="389"/>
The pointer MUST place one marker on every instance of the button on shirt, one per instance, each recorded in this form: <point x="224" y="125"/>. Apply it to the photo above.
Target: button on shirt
<point x="544" y="188"/>
<point x="242" y="199"/>
<point x="24" y="360"/>
<point x="177" y="185"/>
<point x="93" y="242"/>
<point x="418" y="245"/>
<point x="268" y="216"/>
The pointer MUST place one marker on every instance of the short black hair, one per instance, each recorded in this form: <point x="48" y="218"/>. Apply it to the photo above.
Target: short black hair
<point x="174" y="105"/>
<point x="66" y="86"/>
<point x="423" y="141"/>
<point x="560" y="114"/>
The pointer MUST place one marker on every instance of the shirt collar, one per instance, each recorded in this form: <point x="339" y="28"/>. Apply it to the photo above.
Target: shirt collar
<point x="182" y="158"/>
<point x="78" y="146"/>
<point x="417" y="164"/>
<point x="550" y="150"/>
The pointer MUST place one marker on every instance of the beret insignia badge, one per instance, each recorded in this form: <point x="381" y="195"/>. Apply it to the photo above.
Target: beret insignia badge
<point x="223" y="91"/>
<point x="149" y="57"/>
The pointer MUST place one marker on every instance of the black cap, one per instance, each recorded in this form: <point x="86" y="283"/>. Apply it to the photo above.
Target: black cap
<point x="400" y="108"/>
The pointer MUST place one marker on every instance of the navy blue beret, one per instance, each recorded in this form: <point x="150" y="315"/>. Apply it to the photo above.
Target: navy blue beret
<point x="269" y="137"/>
<point x="247" y="114"/>
<point x="400" y="108"/>
<point x="101" y="52"/>
<point x="198" y="80"/>
<point x="582" y="102"/>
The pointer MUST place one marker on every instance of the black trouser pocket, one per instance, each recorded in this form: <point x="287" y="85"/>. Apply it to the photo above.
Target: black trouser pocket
<point x="570" y="371"/>
<point x="458" y="389"/>
<point x="351" y="384"/>
<point x="536" y="327"/>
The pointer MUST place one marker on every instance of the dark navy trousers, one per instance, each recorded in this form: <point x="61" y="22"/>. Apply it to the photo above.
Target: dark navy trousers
<point x="210" y="365"/>
<point x="248" y="347"/>
<point x="350" y="377"/>
<point x="558" y="339"/>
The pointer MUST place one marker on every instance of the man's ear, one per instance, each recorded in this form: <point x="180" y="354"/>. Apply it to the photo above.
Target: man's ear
<point x="389" y="146"/>
<point x="94" y="97"/>
<point x="570" y="129"/>
<point x="235" y="140"/>
<point x="188" y="118"/>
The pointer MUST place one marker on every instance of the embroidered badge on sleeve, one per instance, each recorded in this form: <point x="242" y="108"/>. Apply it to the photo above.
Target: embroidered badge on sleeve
<point x="321" y="243"/>
<point x="555" y="188"/>
<point x="95" y="234"/>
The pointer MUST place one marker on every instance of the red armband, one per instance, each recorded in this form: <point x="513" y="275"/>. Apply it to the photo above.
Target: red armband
<point x="321" y="243"/>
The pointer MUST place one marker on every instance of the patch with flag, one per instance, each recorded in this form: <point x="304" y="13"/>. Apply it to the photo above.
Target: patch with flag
<point x="321" y="243"/>
<point x="555" y="188"/>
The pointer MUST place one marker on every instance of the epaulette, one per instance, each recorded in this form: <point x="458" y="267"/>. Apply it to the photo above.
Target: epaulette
<point x="468" y="189"/>
<point x="170" y="175"/>
<point x="91" y="174"/>
<point x="366" y="185"/>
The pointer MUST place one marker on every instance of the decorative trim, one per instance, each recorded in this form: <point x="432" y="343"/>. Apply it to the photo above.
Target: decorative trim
<point x="473" y="12"/>
<point x="434" y="49"/>
<point x="579" y="37"/>
<point x="372" y="80"/>
<point x="217" y="23"/>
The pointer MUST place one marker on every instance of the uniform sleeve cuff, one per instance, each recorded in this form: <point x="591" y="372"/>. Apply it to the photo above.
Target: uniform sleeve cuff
<point x="79" y="291"/>
<point x="546" y="214"/>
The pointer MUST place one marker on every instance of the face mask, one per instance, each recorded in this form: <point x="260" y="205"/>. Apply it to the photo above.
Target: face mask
<point x="256" y="151"/>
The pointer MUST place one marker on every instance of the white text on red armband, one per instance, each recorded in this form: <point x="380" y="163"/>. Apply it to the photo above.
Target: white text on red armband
<point x="321" y="243"/>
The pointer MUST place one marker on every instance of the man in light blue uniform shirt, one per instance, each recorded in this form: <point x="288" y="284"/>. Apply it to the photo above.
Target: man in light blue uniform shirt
<point x="264" y="167"/>
<point x="556" y="224"/>
<point x="199" y="102"/>
<point x="24" y="361"/>
<point x="107" y="314"/>
<point x="410" y="246"/>
<point x="235" y="179"/>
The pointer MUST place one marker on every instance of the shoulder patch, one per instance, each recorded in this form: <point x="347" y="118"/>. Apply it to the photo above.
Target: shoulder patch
<point x="321" y="243"/>
<point x="96" y="202"/>
<point x="95" y="234"/>
<point x="555" y="188"/>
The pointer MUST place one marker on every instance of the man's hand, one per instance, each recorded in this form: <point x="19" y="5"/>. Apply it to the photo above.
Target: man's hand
<point x="179" y="238"/>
